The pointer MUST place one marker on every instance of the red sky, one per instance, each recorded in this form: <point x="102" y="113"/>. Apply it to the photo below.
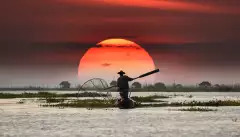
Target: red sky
<point x="94" y="20"/>
<point x="42" y="38"/>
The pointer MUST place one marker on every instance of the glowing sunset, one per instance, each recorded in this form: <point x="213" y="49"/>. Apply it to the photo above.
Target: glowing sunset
<point x="190" y="41"/>
<point x="118" y="42"/>
<point x="70" y="67"/>
<point x="112" y="56"/>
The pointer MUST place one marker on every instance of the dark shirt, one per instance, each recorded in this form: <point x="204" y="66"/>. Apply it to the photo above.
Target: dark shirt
<point x="122" y="82"/>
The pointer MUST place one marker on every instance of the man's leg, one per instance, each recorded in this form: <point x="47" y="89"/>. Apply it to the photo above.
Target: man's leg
<point x="125" y="95"/>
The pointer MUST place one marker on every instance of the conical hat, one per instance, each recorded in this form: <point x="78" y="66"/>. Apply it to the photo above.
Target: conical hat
<point x="121" y="72"/>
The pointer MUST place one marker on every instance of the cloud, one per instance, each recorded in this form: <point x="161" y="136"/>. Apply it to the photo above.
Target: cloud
<point x="95" y="20"/>
<point x="206" y="6"/>
<point x="166" y="5"/>
<point x="106" y="65"/>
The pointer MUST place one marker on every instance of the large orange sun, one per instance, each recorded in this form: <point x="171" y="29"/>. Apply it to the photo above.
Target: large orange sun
<point x="112" y="55"/>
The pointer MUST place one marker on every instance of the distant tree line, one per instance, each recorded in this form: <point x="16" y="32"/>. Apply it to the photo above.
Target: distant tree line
<point x="202" y="86"/>
<point x="137" y="86"/>
<point x="160" y="86"/>
<point x="206" y="85"/>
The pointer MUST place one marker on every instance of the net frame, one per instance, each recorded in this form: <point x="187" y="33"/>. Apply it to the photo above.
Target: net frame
<point x="97" y="89"/>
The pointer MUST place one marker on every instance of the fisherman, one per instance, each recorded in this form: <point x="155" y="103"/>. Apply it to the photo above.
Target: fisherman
<point x="122" y="84"/>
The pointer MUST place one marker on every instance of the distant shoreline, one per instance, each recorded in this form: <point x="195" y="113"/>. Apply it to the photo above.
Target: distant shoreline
<point x="114" y="90"/>
<point x="38" y="89"/>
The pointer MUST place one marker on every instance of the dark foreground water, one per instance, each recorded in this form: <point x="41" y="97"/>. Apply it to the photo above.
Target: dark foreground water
<point x="29" y="120"/>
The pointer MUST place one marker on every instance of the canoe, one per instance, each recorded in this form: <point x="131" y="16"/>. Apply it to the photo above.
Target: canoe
<point x="125" y="104"/>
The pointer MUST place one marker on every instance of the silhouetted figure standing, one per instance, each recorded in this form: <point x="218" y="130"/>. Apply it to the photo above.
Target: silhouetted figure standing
<point x="122" y="84"/>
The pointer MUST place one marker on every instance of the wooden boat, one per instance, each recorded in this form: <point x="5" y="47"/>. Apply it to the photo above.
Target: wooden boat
<point x="125" y="103"/>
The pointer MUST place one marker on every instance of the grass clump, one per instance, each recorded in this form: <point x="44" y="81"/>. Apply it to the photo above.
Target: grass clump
<point x="22" y="101"/>
<point x="27" y="95"/>
<point x="149" y="98"/>
<point x="50" y="95"/>
<point x="87" y="103"/>
<point x="54" y="100"/>
<point x="177" y="95"/>
<point x="208" y="103"/>
<point x="158" y="96"/>
<point x="97" y="103"/>
<point x="214" y="103"/>
<point x="84" y="94"/>
<point x="190" y="96"/>
<point x="197" y="109"/>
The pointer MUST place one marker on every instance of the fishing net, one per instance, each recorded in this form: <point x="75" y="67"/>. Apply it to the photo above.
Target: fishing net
<point x="95" y="88"/>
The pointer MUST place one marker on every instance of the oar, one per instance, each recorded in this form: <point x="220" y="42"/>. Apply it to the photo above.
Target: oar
<point x="141" y="76"/>
<point x="147" y="74"/>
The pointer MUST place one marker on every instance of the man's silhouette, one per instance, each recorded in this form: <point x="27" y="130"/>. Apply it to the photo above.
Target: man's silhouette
<point x="122" y="84"/>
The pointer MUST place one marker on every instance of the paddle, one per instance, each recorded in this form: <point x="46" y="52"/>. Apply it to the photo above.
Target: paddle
<point x="141" y="76"/>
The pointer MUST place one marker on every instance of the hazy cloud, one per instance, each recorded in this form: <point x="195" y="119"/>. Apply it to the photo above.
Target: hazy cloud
<point x="106" y="65"/>
<point x="93" y="20"/>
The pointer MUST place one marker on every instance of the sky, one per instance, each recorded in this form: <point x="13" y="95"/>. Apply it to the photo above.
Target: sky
<point x="42" y="41"/>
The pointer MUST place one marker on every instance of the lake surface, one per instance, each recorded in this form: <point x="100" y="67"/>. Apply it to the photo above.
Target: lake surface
<point x="30" y="120"/>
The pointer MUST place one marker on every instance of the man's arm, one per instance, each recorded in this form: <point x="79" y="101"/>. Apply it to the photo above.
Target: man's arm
<point x="130" y="79"/>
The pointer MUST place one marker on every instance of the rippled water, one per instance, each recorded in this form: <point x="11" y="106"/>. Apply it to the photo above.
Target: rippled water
<point x="32" y="121"/>
<point x="29" y="120"/>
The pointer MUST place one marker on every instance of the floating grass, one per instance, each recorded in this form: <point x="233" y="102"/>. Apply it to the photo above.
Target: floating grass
<point x="151" y="98"/>
<point x="54" y="100"/>
<point x="96" y="103"/>
<point x="190" y="96"/>
<point x="50" y="95"/>
<point x="88" y="103"/>
<point x="22" y="101"/>
<point x="61" y="100"/>
<point x="202" y="109"/>
<point x="214" y="103"/>
<point x="208" y="103"/>
<point x="135" y="98"/>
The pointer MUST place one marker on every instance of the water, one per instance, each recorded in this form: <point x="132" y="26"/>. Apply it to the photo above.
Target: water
<point x="30" y="120"/>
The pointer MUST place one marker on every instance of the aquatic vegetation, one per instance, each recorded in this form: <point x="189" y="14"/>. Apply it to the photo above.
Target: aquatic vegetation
<point x="208" y="103"/>
<point x="158" y="96"/>
<point x="205" y="109"/>
<point x="50" y="95"/>
<point x="54" y="100"/>
<point x="98" y="103"/>
<point x="177" y="95"/>
<point x="22" y="101"/>
<point x="61" y="100"/>
<point x="84" y="94"/>
<point x="135" y="98"/>
<point x="27" y="95"/>
<point x="190" y="96"/>
<point x="95" y="103"/>
<point x="88" y="103"/>
<point x="214" y="103"/>
<point x="149" y="98"/>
